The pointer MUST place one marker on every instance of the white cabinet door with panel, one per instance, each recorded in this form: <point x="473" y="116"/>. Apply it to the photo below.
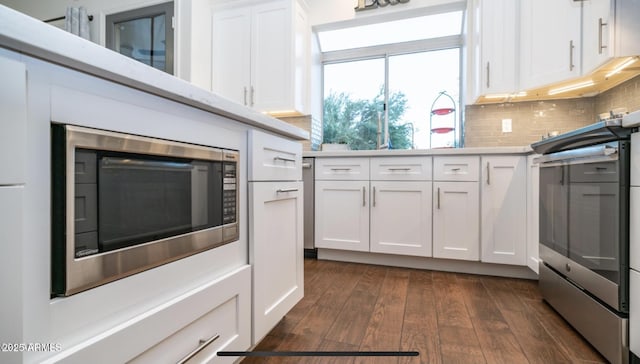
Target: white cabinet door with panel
<point x="231" y="59"/>
<point x="456" y="220"/>
<point x="258" y="58"/>
<point x="277" y="249"/>
<point x="550" y="41"/>
<point x="533" y="211"/>
<point x="401" y="217"/>
<point x="504" y="213"/>
<point x="342" y="215"/>
<point x="498" y="46"/>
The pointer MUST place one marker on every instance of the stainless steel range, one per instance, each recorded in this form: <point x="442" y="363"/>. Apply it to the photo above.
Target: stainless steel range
<point x="584" y="232"/>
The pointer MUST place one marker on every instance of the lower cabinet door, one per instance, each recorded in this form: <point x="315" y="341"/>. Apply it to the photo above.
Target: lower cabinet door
<point x="276" y="251"/>
<point x="456" y="220"/>
<point x="342" y="215"/>
<point x="401" y="218"/>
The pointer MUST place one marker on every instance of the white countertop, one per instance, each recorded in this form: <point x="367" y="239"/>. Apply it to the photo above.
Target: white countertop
<point x="417" y="152"/>
<point x="24" y="34"/>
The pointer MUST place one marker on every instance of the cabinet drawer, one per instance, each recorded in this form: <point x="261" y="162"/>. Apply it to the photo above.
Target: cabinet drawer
<point x="594" y="172"/>
<point x="351" y="169"/>
<point x="401" y="169"/>
<point x="456" y="168"/>
<point x="273" y="158"/>
<point x="222" y="326"/>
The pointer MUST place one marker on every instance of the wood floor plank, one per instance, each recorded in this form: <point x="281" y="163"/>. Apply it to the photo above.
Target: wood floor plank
<point x="351" y="324"/>
<point x="420" y="327"/>
<point x="329" y="345"/>
<point x="450" y="304"/>
<point x="340" y="290"/>
<point x="460" y="345"/>
<point x="537" y="344"/>
<point x="384" y="330"/>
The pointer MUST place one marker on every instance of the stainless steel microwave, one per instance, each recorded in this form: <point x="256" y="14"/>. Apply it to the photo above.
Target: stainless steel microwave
<point x="122" y="204"/>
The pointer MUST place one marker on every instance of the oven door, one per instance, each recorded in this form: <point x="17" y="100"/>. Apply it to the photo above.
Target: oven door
<point x="584" y="219"/>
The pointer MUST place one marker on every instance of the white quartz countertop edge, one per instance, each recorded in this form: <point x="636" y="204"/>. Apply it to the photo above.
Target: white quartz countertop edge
<point x="421" y="152"/>
<point x="27" y="35"/>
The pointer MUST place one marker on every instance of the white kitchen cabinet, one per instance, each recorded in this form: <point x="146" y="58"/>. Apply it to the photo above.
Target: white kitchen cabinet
<point x="342" y="215"/>
<point x="401" y="217"/>
<point x="561" y="40"/>
<point x="456" y="220"/>
<point x="550" y="43"/>
<point x="276" y="249"/>
<point x="276" y="233"/>
<point x="597" y="44"/>
<point x="353" y="169"/>
<point x="261" y="56"/>
<point x="497" y="49"/>
<point x="401" y="168"/>
<point x="504" y="213"/>
<point x="273" y="158"/>
<point x="533" y="210"/>
<point x="456" y="168"/>
<point x="13" y="118"/>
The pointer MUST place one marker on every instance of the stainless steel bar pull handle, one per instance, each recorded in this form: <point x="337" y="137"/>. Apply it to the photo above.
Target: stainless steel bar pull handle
<point x="562" y="176"/>
<point x="245" y="96"/>
<point x="363" y="197"/>
<point x="488" y="75"/>
<point x="571" y="47"/>
<point x="340" y="169"/>
<point x="278" y="158"/>
<point x="253" y="91"/>
<point x="438" y="198"/>
<point x="399" y="169"/>
<point x="286" y="190"/>
<point x="374" y="196"/>
<point x="600" y="25"/>
<point x="203" y="344"/>
<point x="488" y="173"/>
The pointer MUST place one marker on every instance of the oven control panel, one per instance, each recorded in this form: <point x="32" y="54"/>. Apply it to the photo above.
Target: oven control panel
<point x="229" y="192"/>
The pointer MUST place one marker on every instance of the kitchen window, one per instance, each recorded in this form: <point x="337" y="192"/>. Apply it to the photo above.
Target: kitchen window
<point x="392" y="71"/>
<point x="144" y="34"/>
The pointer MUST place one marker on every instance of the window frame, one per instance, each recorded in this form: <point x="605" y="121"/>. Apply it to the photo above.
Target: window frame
<point x="166" y="8"/>
<point x="389" y="50"/>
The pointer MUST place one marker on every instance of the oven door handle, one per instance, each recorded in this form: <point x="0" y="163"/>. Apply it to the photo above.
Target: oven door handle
<point x="605" y="151"/>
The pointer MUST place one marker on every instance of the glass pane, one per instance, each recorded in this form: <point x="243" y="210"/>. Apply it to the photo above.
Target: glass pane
<point x="424" y="27"/>
<point x="133" y="39"/>
<point x="418" y="79"/>
<point x="159" y="42"/>
<point x="353" y="102"/>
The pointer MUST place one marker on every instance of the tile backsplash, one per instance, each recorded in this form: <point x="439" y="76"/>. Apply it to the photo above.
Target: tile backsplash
<point x="532" y="120"/>
<point x="310" y="124"/>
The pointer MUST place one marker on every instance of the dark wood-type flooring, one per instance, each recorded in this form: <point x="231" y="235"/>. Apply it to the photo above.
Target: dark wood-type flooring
<point x="446" y="317"/>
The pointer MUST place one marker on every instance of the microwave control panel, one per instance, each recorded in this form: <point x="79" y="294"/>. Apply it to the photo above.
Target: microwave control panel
<point x="229" y="193"/>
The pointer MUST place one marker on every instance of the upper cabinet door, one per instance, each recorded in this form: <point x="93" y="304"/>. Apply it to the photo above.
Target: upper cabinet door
<point x="232" y="54"/>
<point x="550" y="46"/>
<point x="498" y="32"/>
<point x="597" y="23"/>
<point x="272" y="59"/>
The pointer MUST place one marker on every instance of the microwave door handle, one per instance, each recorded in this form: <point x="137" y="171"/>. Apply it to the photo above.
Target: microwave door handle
<point x="108" y="162"/>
